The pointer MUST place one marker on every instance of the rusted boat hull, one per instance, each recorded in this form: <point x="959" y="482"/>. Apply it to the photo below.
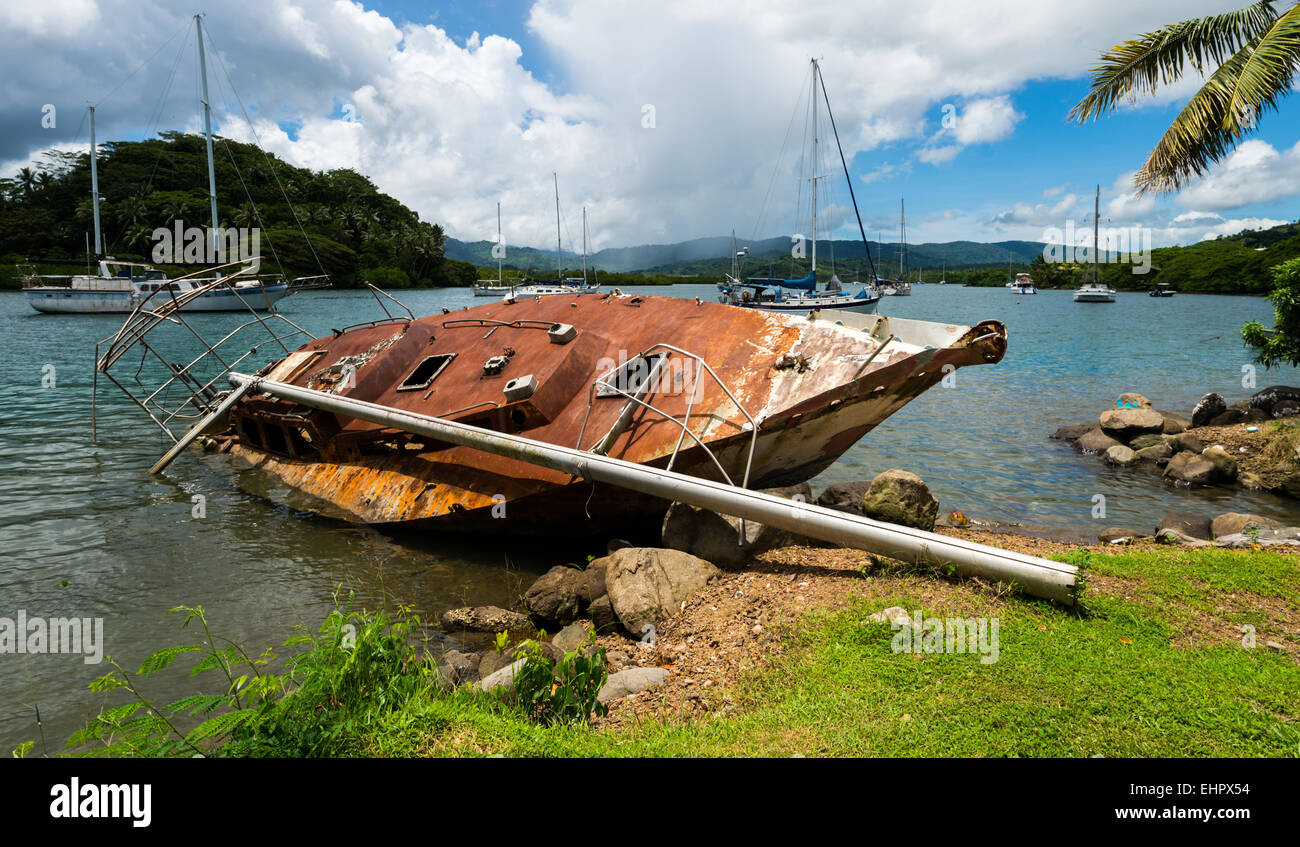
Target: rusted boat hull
<point x="813" y="386"/>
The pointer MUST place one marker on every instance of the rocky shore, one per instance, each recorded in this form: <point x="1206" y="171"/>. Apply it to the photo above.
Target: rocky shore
<point x="1253" y="444"/>
<point x="681" y="622"/>
<point x="631" y="599"/>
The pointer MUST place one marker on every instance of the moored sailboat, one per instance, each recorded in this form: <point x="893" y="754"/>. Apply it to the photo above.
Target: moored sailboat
<point x="1094" y="291"/>
<point x="497" y="287"/>
<point x="802" y="295"/>
<point x="121" y="287"/>
<point x="561" y="284"/>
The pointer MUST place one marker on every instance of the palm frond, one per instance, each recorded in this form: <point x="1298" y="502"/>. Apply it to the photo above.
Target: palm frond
<point x="1267" y="74"/>
<point x="1140" y="66"/>
<point x="1225" y="108"/>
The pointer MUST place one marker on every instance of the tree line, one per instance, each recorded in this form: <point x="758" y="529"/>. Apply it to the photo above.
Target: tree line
<point x="333" y="222"/>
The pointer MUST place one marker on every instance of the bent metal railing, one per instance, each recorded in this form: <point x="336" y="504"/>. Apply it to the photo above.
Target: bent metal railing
<point x="196" y="377"/>
<point x="647" y="387"/>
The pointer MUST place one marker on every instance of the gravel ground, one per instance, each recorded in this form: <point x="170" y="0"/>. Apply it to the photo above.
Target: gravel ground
<point x="736" y="622"/>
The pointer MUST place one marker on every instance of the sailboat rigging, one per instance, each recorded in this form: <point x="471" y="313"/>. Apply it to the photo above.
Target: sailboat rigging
<point x="491" y="288"/>
<point x="121" y="286"/>
<point x="802" y="295"/>
<point x="560" y="285"/>
<point x="1095" y="292"/>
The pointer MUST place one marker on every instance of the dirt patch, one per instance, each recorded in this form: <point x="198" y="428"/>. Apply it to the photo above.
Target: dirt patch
<point x="740" y="620"/>
<point x="1272" y="619"/>
<point x="1268" y="453"/>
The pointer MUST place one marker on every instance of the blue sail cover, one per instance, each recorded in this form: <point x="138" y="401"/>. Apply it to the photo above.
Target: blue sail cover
<point x="808" y="283"/>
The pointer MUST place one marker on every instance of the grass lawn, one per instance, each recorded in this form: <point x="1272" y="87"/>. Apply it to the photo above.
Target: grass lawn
<point x="1156" y="666"/>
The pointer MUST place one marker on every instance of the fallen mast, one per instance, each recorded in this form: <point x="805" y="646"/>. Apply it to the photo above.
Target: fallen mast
<point x="1039" y="577"/>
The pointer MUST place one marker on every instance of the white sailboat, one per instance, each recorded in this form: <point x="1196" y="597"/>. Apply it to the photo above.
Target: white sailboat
<point x="497" y="287"/>
<point x="1095" y="292"/>
<point x="902" y="288"/>
<point x="561" y="285"/>
<point x="801" y="296"/>
<point x="121" y="287"/>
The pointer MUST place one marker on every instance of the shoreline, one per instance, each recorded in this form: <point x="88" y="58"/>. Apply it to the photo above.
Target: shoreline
<point x="702" y="280"/>
<point x="731" y="627"/>
<point x="797" y="653"/>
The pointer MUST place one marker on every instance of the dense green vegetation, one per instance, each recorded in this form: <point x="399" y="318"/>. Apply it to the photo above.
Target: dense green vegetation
<point x="1237" y="264"/>
<point x="1281" y="345"/>
<point x="358" y="233"/>
<point x="710" y="256"/>
<point x="1157" y="666"/>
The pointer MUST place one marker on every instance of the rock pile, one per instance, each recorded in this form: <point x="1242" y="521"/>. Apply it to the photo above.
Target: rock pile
<point x="634" y="591"/>
<point x="1136" y="435"/>
<point x="1231" y="529"/>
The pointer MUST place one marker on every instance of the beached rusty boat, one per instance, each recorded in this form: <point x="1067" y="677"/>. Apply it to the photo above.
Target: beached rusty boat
<point x="751" y="398"/>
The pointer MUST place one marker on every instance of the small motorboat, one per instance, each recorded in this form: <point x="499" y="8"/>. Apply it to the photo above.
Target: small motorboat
<point x="1023" y="284"/>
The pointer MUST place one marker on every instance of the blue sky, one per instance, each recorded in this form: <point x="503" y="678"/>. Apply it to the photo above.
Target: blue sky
<point x="455" y="106"/>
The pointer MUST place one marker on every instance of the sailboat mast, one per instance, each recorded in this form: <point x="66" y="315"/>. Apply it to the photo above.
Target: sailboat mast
<point x="500" y="252"/>
<point x="814" y="179"/>
<point x="584" y="245"/>
<point x="559" y="273"/>
<point x="866" y="248"/>
<point x="207" y="130"/>
<point x="94" y="180"/>
<point x="902" y="236"/>
<point x="1096" y="214"/>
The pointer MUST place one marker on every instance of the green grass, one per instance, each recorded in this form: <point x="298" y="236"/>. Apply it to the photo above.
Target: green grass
<point x="1257" y="587"/>
<point x="1154" y="668"/>
<point x="1062" y="686"/>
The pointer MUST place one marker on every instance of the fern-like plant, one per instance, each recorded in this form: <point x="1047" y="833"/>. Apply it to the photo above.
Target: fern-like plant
<point x="565" y="693"/>
<point x="356" y="665"/>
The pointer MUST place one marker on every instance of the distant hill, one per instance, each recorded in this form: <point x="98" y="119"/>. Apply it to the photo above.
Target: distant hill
<point x="353" y="231"/>
<point x="711" y="256"/>
<point x="1236" y="263"/>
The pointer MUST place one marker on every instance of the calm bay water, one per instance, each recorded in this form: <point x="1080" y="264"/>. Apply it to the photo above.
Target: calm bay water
<point x="85" y="532"/>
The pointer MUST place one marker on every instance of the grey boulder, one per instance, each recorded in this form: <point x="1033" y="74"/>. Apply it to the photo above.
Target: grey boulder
<point x="503" y="678"/>
<point x="1209" y="407"/>
<point x="1121" y="456"/>
<point x="717" y="538"/>
<point x="900" y="497"/>
<point x="630" y="681"/>
<point x="1197" y="526"/>
<point x="1277" y="401"/>
<point x="647" y="585"/>
<point x="1190" y="469"/>
<point x="1095" y="441"/>
<point x="571" y="637"/>
<point x="1233" y="523"/>
<point x="1129" y="423"/>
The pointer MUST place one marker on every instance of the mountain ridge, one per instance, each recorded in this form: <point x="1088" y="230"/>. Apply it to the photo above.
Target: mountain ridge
<point x="711" y="254"/>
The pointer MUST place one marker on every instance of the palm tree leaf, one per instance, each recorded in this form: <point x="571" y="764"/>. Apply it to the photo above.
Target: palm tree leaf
<point x="1141" y="65"/>
<point x="1225" y="108"/>
<point x="1267" y="73"/>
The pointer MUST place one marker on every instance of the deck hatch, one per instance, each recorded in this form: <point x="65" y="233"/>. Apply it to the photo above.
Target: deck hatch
<point x="632" y="378"/>
<point x="426" y="372"/>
